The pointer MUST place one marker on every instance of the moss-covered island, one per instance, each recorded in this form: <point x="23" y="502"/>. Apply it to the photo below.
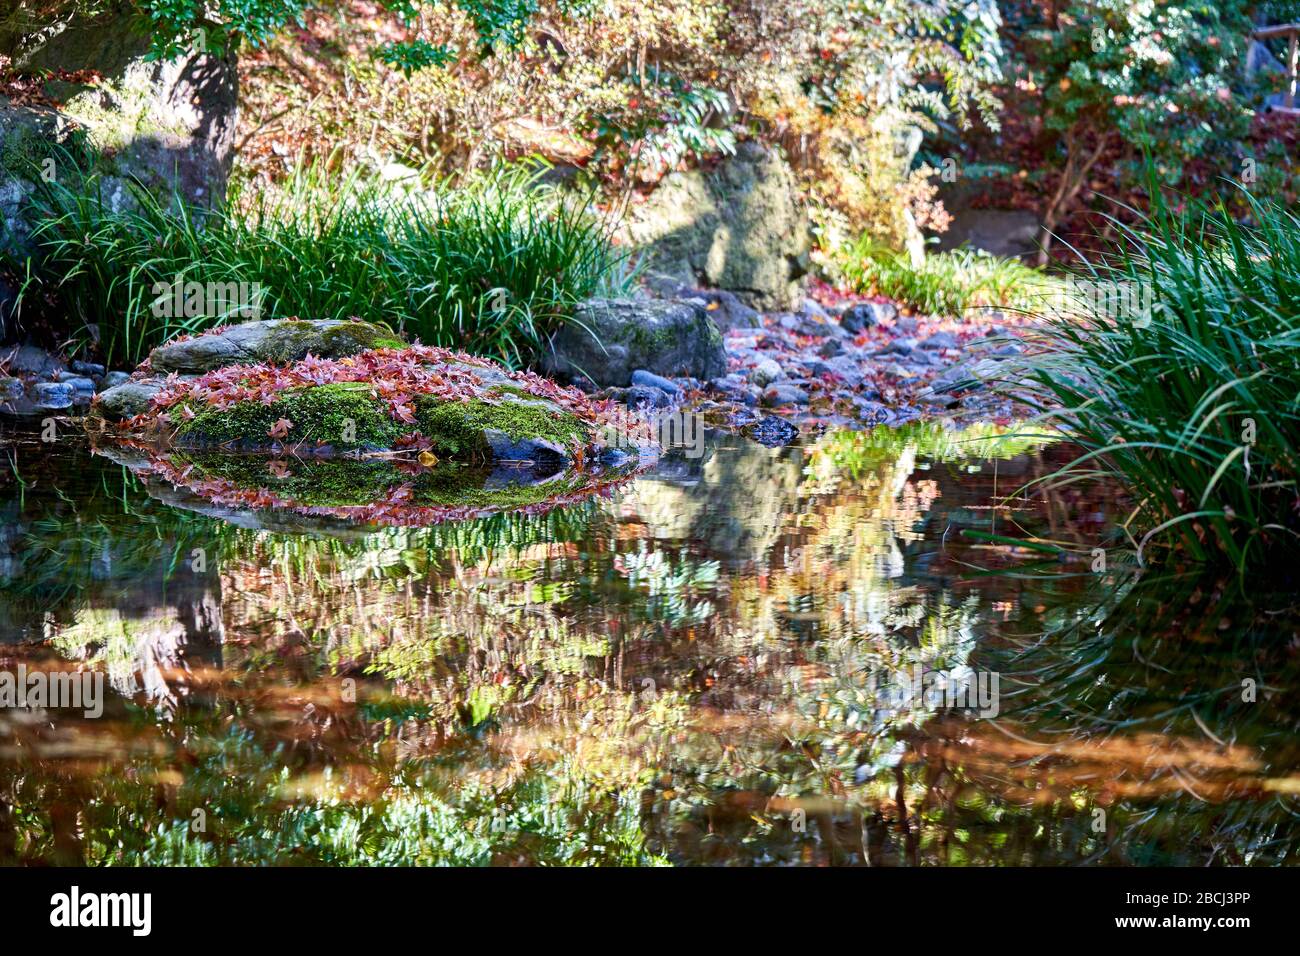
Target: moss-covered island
<point x="375" y="431"/>
<point x="351" y="417"/>
<point x="323" y="389"/>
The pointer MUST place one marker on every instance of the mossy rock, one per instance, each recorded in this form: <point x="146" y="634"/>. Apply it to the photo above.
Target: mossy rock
<point x="355" y="392"/>
<point x="346" y="417"/>
<point x="609" y="339"/>
<point x="278" y="341"/>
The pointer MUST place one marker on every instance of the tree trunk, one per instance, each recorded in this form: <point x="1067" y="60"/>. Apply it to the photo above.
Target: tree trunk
<point x="1077" y="167"/>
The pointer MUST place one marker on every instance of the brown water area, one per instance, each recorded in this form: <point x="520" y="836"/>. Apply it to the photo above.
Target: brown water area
<point x="723" y="661"/>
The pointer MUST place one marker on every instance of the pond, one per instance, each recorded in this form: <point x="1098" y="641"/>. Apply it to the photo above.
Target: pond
<point x="735" y="658"/>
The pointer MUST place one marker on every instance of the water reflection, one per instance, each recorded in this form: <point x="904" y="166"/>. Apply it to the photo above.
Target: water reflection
<point x="686" y="672"/>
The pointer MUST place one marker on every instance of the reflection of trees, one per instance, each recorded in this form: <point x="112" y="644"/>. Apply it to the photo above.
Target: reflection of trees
<point x="611" y="683"/>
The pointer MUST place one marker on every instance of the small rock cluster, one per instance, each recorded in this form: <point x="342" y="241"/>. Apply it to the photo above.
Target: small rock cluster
<point x="35" y="383"/>
<point x="856" y="364"/>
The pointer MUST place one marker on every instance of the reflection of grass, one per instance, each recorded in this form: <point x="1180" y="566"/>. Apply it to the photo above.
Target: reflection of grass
<point x="670" y="584"/>
<point x="1180" y="683"/>
<point x="854" y="454"/>
<point x="111" y="529"/>
<point x="415" y="549"/>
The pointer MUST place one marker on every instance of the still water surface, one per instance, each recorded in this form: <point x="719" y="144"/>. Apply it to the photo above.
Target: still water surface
<point x="706" y="667"/>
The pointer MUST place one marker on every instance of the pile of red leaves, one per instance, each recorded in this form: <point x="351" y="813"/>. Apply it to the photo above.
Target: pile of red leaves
<point x="28" y="89"/>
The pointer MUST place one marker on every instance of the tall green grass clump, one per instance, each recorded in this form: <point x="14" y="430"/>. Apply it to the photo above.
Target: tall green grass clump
<point x="1190" y="399"/>
<point x="493" y="263"/>
<point x="945" y="283"/>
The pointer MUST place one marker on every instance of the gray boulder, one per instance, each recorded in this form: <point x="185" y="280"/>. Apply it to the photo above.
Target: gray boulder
<point x="644" y="379"/>
<point x="739" y="227"/>
<point x="765" y="372"/>
<point x="531" y="449"/>
<point x="608" y="339"/>
<point x="638" y="395"/>
<point x="167" y="124"/>
<point x="128" y="399"/>
<point x="272" y="340"/>
<point x="725" y="308"/>
<point x="32" y="360"/>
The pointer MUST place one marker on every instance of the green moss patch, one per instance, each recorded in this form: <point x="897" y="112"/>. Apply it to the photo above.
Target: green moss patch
<point x="347" y="417"/>
<point x="456" y="428"/>
<point x="342" y="414"/>
<point x="292" y="340"/>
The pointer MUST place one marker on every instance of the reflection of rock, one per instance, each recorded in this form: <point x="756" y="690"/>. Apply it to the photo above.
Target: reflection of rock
<point x="265" y="520"/>
<point x="514" y="474"/>
<point x="142" y="609"/>
<point x="738" y="506"/>
<point x="346" y="497"/>
<point x="151" y="630"/>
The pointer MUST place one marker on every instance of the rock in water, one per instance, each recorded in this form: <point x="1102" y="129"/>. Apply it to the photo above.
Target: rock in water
<point x="354" y="398"/>
<point x="530" y="449"/>
<point x="127" y="399"/>
<point x="608" y="339"/>
<point x="650" y="380"/>
<point x="276" y="341"/>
